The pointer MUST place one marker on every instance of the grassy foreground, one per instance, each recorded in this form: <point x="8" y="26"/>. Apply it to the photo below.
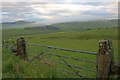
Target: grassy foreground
<point x="85" y="40"/>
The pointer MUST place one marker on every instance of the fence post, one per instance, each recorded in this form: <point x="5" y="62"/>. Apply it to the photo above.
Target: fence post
<point x="21" y="48"/>
<point x="104" y="59"/>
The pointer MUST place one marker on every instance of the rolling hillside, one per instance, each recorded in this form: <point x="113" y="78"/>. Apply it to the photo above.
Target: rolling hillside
<point x="87" y="25"/>
<point x="63" y="26"/>
<point x="18" y="24"/>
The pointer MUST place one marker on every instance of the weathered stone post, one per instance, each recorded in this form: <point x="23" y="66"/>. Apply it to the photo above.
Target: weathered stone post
<point x="21" y="47"/>
<point x="104" y="59"/>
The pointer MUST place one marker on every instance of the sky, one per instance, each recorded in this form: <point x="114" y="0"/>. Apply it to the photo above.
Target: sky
<point x="55" y="11"/>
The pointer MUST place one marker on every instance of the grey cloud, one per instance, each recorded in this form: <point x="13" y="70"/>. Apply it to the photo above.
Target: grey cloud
<point x="15" y="7"/>
<point x="23" y="10"/>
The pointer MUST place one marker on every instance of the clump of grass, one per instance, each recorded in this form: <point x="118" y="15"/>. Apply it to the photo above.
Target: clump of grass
<point x="16" y="67"/>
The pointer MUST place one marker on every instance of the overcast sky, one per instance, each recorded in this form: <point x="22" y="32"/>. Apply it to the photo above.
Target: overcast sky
<point x="51" y="11"/>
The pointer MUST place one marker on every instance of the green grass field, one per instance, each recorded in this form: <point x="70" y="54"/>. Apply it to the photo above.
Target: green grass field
<point x="86" y="40"/>
<point x="9" y="33"/>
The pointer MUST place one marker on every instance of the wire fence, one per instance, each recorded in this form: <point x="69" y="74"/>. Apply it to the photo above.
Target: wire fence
<point x="68" y="57"/>
<point x="77" y="67"/>
<point x="61" y="57"/>
<point x="69" y="72"/>
<point x="68" y="62"/>
<point x="76" y="72"/>
<point x="64" y="49"/>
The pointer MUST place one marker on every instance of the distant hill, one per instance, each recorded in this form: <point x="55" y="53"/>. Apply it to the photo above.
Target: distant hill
<point x="87" y="25"/>
<point x="18" y="24"/>
<point x="63" y="26"/>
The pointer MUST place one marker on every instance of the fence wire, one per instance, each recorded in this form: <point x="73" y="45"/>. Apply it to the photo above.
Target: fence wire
<point x="68" y="72"/>
<point x="64" y="49"/>
<point x="86" y="69"/>
<point x="77" y="73"/>
<point x="36" y="57"/>
<point x="77" y="59"/>
<point x="70" y="65"/>
<point x="54" y="54"/>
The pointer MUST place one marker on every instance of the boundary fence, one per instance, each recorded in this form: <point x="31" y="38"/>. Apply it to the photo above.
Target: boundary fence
<point x="104" y="57"/>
